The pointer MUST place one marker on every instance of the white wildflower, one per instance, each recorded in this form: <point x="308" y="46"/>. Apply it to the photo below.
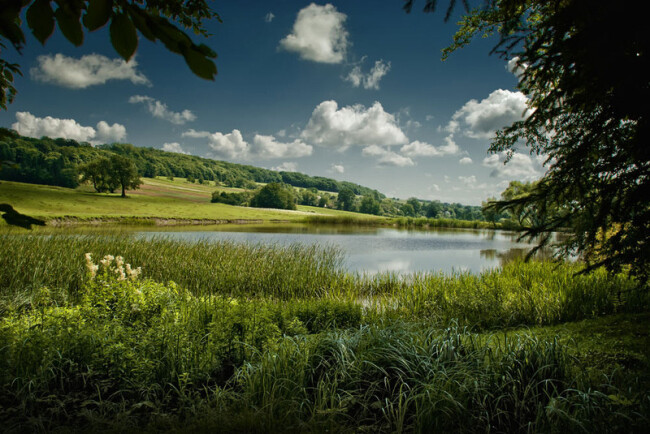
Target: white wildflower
<point x="133" y="273"/>
<point x="120" y="273"/>
<point x="106" y="262"/>
<point x="90" y="265"/>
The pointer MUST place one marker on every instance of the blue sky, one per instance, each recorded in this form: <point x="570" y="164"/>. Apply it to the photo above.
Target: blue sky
<point x="352" y="90"/>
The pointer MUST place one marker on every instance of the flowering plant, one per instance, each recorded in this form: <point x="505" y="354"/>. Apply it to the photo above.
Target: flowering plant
<point x="108" y="267"/>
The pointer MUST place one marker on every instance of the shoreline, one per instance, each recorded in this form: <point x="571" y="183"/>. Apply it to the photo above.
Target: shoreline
<point x="409" y="222"/>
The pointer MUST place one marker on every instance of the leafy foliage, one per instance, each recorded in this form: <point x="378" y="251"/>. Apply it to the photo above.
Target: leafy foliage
<point x="255" y="338"/>
<point x="34" y="162"/>
<point x="587" y="90"/>
<point x="98" y="173"/>
<point x="155" y="20"/>
<point x="124" y="172"/>
<point x="369" y="206"/>
<point x="346" y="199"/>
<point x="237" y="199"/>
<point x="274" y="195"/>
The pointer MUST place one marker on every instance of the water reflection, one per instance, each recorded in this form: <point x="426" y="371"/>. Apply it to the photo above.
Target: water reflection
<point x="515" y="253"/>
<point x="366" y="249"/>
<point x="378" y="249"/>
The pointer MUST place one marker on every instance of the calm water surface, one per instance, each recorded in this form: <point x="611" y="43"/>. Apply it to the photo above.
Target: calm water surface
<point x="374" y="250"/>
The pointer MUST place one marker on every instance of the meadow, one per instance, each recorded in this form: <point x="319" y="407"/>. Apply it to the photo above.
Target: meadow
<point x="256" y="338"/>
<point x="162" y="201"/>
<point x="158" y="200"/>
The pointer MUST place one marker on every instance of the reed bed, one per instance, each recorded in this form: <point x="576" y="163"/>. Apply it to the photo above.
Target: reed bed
<point x="57" y="261"/>
<point x="253" y="338"/>
<point x="519" y="293"/>
<point x="534" y="293"/>
<point x="424" y="222"/>
<point x="407" y="222"/>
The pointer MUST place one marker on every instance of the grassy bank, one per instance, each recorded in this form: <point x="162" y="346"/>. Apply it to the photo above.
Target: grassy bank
<point x="536" y="293"/>
<point x="163" y="202"/>
<point x="158" y="199"/>
<point x="251" y="338"/>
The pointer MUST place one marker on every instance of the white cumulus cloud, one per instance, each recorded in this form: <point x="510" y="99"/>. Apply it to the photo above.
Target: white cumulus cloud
<point x="231" y="145"/>
<point x="352" y="125"/>
<point x="174" y="147"/>
<point x="386" y="157"/>
<point x="480" y="119"/>
<point x="318" y="34"/>
<point x="196" y="134"/>
<point x="337" y="168"/>
<point x="516" y="67"/>
<point x="89" y="70"/>
<point x="287" y="166"/>
<point x="468" y="181"/>
<point x="465" y="160"/>
<point x="371" y="79"/>
<point x="32" y="126"/>
<point x="422" y="149"/>
<point x="160" y="110"/>
<point x="269" y="147"/>
<point x="110" y="133"/>
<point x="521" y="167"/>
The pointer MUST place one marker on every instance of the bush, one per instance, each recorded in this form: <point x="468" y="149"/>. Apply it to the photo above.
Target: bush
<point x="274" y="195"/>
<point x="238" y="199"/>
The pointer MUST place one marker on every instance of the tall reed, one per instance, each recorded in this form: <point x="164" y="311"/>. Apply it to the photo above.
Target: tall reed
<point x="31" y="261"/>
<point x="534" y="293"/>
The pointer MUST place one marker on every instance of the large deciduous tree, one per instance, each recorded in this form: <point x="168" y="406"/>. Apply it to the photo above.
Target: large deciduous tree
<point x="124" y="173"/>
<point x="98" y="173"/>
<point x="584" y="67"/>
<point x="369" y="205"/>
<point x="346" y="199"/>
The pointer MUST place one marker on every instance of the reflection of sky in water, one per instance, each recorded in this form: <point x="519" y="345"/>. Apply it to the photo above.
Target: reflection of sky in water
<point x="382" y="249"/>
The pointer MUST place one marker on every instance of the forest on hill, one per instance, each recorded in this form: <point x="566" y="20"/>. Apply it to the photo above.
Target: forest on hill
<point x="59" y="162"/>
<point x="56" y="161"/>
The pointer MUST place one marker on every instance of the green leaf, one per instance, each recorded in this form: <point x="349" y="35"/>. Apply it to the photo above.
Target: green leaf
<point x="207" y="51"/>
<point x="142" y="23"/>
<point x="199" y="64"/>
<point x="123" y="36"/>
<point x="174" y="39"/>
<point x="70" y="25"/>
<point x="97" y="14"/>
<point x="40" y="18"/>
<point x="9" y="17"/>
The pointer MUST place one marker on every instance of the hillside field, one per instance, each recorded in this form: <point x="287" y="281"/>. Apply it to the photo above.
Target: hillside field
<point x="157" y="198"/>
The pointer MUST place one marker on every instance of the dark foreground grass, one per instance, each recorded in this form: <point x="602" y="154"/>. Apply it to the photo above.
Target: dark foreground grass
<point x="261" y="339"/>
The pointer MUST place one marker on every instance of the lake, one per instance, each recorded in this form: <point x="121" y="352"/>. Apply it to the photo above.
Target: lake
<point x="374" y="249"/>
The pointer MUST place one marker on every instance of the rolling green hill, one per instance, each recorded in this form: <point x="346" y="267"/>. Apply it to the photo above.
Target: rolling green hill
<point x="157" y="200"/>
<point x="56" y="161"/>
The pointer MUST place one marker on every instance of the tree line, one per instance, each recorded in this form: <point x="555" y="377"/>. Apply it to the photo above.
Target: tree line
<point x="285" y="196"/>
<point x="57" y="162"/>
<point x="67" y="163"/>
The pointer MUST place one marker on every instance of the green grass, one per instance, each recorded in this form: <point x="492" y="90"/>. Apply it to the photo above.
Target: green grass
<point x="157" y="199"/>
<point x="537" y="293"/>
<point x="252" y="338"/>
<point x="163" y="201"/>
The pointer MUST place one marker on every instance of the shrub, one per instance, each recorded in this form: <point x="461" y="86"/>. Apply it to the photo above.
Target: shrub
<point x="274" y="195"/>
